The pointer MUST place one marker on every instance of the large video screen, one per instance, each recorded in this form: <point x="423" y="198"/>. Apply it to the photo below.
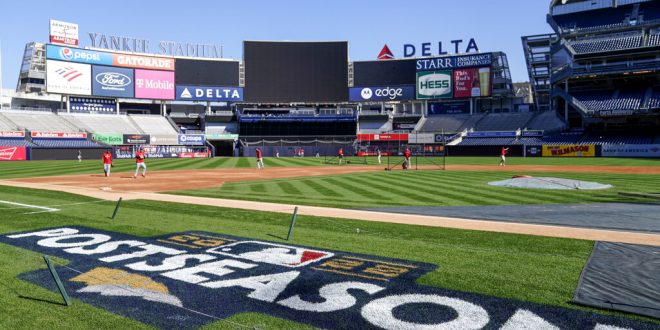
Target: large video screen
<point x="296" y="71"/>
<point x="206" y="72"/>
<point x="384" y="73"/>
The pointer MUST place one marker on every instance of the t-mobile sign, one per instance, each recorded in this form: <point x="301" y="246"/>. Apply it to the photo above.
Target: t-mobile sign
<point x="157" y="85"/>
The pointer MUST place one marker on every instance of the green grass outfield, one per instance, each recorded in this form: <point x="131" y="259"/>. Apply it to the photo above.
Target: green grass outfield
<point x="529" y="268"/>
<point x="50" y="168"/>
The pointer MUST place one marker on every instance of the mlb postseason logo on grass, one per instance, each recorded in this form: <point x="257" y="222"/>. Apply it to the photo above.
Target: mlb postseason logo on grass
<point x="434" y="85"/>
<point x="191" y="279"/>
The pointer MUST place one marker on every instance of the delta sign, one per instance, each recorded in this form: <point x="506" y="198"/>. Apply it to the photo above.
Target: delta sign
<point x="191" y="279"/>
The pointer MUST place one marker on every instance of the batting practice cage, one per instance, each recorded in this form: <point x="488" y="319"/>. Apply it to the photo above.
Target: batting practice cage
<point x="301" y="146"/>
<point x="427" y="150"/>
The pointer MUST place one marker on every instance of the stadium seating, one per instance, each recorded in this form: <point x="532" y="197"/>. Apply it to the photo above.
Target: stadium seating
<point x="15" y="143"/>
<point x="603" y="100"/>
<point x="546" y="121"/>
<point x="6" y="124"/>
<point x="654" y="40"/>
<point x="564" y="138"/>
<point x="222" y="128"/>
<point x="654" y="101"/>
<point x="66" y="143"/>
<point x="504" y="121"/>
<point x="103" y="123"/>
<point x="39" y="121"/>
<point x="503" y="141"/>
<point x="154" y="124"/>
<point x="594" y="19"/>
<point x="613" y="138"/>
<point x="450" y="123"/>
<point x="607" y="44"/>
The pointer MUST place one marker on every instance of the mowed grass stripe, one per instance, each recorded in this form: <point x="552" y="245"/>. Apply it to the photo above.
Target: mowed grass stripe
<point x="216" y="163"/>
<point x="320" y="189"/>
<point x="409" y="194"/>
<point x="358" y="190"/>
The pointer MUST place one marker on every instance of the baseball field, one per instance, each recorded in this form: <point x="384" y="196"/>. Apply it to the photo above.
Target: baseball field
<point x="203" y="243"/>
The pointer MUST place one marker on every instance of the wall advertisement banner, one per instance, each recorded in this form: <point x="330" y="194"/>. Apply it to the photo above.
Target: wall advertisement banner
<point x="434" y="85"/>
<point x="68" y="78"/>
<point x="12" y="134"/>
<point x="209" y="93"/>
<point x="383" y="137"/>
<point x="136" y="139"/>
<point x="88" y="104"/>
<point x="143" y="62"/>
<point x="472" y="82"/>
<point x="421" y="138"/>
<point x="113" y="82"/>
<point x="448" y="108"/>
<point x="158" y="85"/>
<point x="59" y="135"/>
<point x="571" y="150"/>
<point x="63" y="33"/>
<point x="631" y="150"/>
<point x="77" y="55"/>
<point x="13" y="153"/>
<point x="191" y="139"/>
<point x="386" y="93"/>
<point x="454" y="62"/>
<point x="109" y="138"/>
<point x="219" y="136"/>
<point x="164" y="140"/>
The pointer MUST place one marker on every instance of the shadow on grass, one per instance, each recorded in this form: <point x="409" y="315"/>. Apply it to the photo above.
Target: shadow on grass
<point x="278" y="237"/>
<point x="42" y="300"/>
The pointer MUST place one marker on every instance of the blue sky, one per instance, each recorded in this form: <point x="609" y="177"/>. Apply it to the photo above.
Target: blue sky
<point x="365" y="24"/>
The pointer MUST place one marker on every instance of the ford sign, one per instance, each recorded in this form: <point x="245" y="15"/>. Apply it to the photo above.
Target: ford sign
<point x="111" y="80"/>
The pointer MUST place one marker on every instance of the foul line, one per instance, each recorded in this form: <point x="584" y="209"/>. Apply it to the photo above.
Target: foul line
<point x="44" y="208"/>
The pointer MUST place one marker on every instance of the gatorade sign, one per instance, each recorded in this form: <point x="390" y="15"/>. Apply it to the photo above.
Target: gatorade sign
<point x="434" y="85"/>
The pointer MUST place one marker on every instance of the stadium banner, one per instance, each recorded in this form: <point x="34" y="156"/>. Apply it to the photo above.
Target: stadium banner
<point x="472" y="82"/>
<point x="68" y="78"/>
<point x="143" y="62"/>
<point x="404" y="126"/>
<point x="63" y="33"/>
<point x="532" y="133"/>
<point x="192" y="139"/>
<point x="136" y="139"/>
<point x="12" y="134"/>
<point x="108" y="138"/>
<point x="421" y="138"/>
<point x="454" y="62"/>
<point x="209" y="93"/>
<point x="59" y="135"/>
<point x="13" y="153"/>
<point x="533" y="151"/>
<point x="631" y="150"/>
<point x="383" y="137"/>
<point x="77" y="55"/>
<point x="114" y="82"/>
<point x="570" y="150"/>
<point x="386" y="93"/>
<point x="221" y="136"/>
<point x="492" y="134"/>
<point x="165" y="280"/>
<point x="448" y="108"/>
<point x="193" y="155"/>
<point x="87" y="104"/>
<point x="164" y="139"/>
<point x="161" y="151"/>
<point x="158" y="85"/>
<point x="434" y="85"/>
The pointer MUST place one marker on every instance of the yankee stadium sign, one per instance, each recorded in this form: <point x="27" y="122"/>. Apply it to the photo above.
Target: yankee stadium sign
<point x="188" y="280"/>
<point x="170" y="48"/>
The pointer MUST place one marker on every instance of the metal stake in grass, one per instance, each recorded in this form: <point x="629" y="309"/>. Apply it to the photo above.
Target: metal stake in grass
<point x="116" y="209"/>
<point x="293" y="223"/>
<point x="56" y="278"/>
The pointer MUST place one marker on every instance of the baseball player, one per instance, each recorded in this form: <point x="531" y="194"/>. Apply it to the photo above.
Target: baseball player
<point x="406" y="159"/>
<point x="378" y="154"/>
<point x="139" y="162"/>
<point x="340" y="155"/>
<point x="107" y="162"/>
<point x="260" y="159"/>
<point x="503" y="154"/>
<point x="79" y="156"/>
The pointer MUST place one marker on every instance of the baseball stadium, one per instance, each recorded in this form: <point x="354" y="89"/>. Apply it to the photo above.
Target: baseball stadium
<point x="297" y="187"/>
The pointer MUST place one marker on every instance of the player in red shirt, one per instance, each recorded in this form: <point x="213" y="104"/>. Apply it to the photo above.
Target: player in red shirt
<point x="340" y="155"/>
<point x="260" y="159"/>
<point x="107" y="162"/>
<point x="406" y="159"/>
<point x="139" y="162"/>
<point x="503" y="154"/>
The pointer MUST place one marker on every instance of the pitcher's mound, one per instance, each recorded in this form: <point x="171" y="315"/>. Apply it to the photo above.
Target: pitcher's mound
<point x="549" y="183"/>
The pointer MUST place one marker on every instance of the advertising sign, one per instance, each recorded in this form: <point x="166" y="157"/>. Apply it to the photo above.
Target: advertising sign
<point x="472" y="82"/>
<point x="571" y="150"/>
<point x="434" y="85"/>
<point x="454" y="62"/>
<point x="13" y="153"/>
<point x="382" y="137"/>
<point x="492" y="134"/>
<point x="63" y="33"/>
<point x="12" y="134"/>
<point x="115" y="82"/>
<point x="532" y="133"/>
<point x="421" y="138"/>
<point x="136" y="139"/>
<point x="143" y="62"/>
<point x="221" y="136"/>
<point x="191" y="139"/>
<point x="165" y="140"/>
<point x="631" y="150"/>
<point x="59" y="135"/>
<point x="448" y="108"/>
<point x="533" y="151"/>
<point x="68" y="78"/>
<point x="77" y="55"/>
<point x="193" y="155"/>
<point x="209" y="93"/>
<point x="387" y="93"/>
<point x="157" y="85"/>
<point x="109" y="138"/>
<point x="87" y="104"/>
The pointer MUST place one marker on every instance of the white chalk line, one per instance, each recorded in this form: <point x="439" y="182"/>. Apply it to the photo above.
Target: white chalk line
<point x="45" y="209"/>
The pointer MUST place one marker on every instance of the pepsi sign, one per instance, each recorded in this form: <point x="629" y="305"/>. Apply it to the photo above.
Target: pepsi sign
<point x="209" y="93"/>
<point x="77" y="55"/>
<point x="112" y="81"/>
<point x="387" y="93"/>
